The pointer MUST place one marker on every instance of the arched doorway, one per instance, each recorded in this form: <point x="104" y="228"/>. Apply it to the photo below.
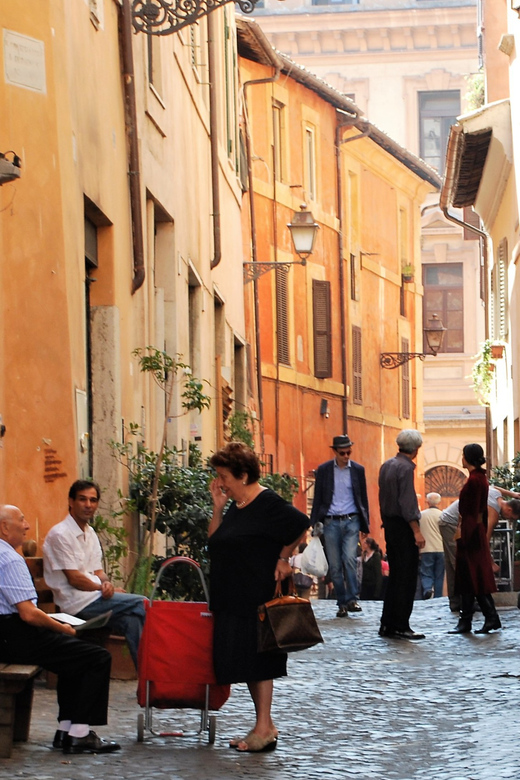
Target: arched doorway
<point x="446" y="480"/>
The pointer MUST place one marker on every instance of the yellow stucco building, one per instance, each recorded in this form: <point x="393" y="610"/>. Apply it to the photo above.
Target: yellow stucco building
<point x="121" y="232"/>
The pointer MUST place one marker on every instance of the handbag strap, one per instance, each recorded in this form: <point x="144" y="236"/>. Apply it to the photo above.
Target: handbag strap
<point x="291" y="591"/>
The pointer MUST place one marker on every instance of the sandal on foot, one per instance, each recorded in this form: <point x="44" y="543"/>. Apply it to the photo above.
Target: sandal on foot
<point x="234" y="743"/>
<point x="257" y="744"/>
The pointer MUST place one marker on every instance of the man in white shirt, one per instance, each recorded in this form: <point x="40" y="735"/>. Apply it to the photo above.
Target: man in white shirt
<point x="72" y="559"/>
<point x="431" y="567"/>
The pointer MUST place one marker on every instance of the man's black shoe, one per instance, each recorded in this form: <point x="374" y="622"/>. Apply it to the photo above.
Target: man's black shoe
<point x="342" y="612"/>
<point x="353" y="606"/>
<point x="59" y="737"/>
<point x="408" y="634"/>
<point x="89" y="744"/>
<point x="384" y="631"/>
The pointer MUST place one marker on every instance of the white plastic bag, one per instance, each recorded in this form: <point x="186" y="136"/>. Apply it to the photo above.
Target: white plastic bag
<point x="314" y="560"/>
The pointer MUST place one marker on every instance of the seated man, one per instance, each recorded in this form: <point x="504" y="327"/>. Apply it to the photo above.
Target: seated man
<point x="30" y="636"/>
<point x="72" y="562"/>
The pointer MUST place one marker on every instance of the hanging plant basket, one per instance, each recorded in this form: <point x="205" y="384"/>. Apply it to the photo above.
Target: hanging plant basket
<point x="497" y="351"/>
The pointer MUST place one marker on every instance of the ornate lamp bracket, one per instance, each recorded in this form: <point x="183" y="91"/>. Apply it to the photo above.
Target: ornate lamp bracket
<point x="255" y="269"/>
<point x="162" y="17"/>
<point x="396" y="359"/>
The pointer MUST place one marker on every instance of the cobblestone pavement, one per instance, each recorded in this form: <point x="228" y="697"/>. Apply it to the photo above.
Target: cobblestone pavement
<point x="359" y="706"/>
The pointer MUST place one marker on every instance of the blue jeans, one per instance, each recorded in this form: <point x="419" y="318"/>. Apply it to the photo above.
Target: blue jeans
<point x="432" y="573"/>
<point x="127" y="617"/>
<point x="341" y="544"/>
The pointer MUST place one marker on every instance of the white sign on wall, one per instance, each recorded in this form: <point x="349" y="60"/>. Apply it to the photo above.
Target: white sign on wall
<point x="24" y="62"/>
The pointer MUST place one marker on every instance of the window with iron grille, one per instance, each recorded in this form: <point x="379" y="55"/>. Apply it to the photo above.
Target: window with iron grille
<point x="322" y="329"/>
<point x="357" y="365"/>
<point x="282" y="317"/>
<point x="405" y="382"/>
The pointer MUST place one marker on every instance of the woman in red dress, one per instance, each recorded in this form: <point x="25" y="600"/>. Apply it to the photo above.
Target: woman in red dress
<point x="473" y="566"/>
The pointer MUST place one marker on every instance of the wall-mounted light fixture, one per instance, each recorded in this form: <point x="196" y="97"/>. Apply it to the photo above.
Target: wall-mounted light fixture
<point x="9" y="169"/>
<point x="434" y="335"/>
<point x="164" y="17"/>
<point x="324" y="408"/>
<point x="303" y="232"/>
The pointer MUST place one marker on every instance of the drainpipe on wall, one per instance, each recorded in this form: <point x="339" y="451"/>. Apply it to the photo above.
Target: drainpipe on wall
<point x="133" y="153"/>
<point x="350" y="121"/>
<point x="452" y="156"/>
<point x="254" y="251"/>
<point x="213" y="138"/>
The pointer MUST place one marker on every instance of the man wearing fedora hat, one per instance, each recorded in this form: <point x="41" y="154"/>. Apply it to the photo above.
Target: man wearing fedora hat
<point x="341" y="503"/>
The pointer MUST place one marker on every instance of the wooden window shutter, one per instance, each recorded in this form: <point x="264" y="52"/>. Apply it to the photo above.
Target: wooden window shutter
<point x="405" y="381"/>
<point x="282" y="317"/>
<point x="502" y="292"/>
<point x="322" y="329"/>
<point x="357" y="365"/>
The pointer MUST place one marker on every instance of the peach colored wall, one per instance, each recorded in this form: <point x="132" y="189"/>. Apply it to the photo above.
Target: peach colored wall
<point x="296" y="434"/>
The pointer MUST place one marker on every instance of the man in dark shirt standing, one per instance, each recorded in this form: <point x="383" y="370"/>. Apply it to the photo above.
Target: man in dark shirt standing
<point x="400" y="515"/>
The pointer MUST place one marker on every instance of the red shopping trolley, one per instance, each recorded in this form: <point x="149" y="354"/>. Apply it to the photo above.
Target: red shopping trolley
<point x="176" y="660"/>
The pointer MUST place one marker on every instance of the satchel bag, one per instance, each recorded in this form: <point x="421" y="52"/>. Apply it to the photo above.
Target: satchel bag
<point x="287" y="623"/>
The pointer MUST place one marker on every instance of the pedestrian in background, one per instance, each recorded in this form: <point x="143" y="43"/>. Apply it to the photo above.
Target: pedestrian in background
<point x="432" y="555"/>
<point x="371" y="572"/>
<point x="473" y="565"/>
<point x="341" y="503"/>
<point x="400" y="514"/>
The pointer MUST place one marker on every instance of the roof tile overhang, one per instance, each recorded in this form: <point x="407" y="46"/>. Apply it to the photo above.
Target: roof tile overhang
<point x="254" y="45"/>
<point x="479" y="159"/>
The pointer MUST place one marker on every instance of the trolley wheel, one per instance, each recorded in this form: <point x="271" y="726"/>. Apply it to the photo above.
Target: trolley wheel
<point x="212" y="729"/>
<point x="140" y="727"/>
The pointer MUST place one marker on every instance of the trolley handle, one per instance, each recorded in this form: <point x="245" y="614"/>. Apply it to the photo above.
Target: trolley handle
<point x="180" y="559"/>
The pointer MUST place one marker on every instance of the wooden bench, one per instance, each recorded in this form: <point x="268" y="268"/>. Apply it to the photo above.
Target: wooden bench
<point x="16" y="695"/>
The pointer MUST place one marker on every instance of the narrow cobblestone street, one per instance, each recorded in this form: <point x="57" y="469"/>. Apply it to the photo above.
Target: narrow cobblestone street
<point x="445" y="708"/>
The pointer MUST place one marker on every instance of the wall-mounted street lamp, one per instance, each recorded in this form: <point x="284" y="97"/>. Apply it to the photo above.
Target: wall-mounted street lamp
<point x="9" y="169"/>
<point x="303" y="232"/>
<point x="162" y="17"/>
<point x="434" y="334"/>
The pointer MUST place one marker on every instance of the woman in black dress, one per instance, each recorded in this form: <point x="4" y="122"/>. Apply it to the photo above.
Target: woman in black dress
<point x="372" y="577"/>
<point x="249" y="548"/>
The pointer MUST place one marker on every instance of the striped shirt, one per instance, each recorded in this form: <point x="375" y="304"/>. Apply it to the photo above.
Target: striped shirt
<point x="16" y="584"/>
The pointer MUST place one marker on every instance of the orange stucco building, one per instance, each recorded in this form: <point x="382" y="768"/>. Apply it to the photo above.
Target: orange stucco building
<point x="322" y="327"/>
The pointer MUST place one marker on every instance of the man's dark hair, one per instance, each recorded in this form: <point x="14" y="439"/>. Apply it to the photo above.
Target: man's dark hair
<point x="83" y="484"/>
<point x="514" y="503"/>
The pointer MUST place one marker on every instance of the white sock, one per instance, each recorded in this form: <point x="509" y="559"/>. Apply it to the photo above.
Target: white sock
<point x="64" y="725"/>
<point x="79" y="730"/>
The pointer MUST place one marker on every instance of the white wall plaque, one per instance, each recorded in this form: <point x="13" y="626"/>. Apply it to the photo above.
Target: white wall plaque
<point x="24" y="62"/>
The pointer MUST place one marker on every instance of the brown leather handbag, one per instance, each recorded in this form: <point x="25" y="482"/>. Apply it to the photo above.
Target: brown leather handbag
<point x="287" y="624"/>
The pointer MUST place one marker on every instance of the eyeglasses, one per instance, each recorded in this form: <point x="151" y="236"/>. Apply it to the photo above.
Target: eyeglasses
<point x="343" y="452"/>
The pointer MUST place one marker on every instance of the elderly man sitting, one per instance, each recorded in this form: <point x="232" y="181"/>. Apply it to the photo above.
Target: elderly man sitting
<point x="30" y="636"/>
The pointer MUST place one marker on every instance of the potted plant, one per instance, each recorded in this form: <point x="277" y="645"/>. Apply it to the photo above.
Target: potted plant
<point x="407" y="273"/>
<point x="482" y="374"/>
<point x="497" y="350"/>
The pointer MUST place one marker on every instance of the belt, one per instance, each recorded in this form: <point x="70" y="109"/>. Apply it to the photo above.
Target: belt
<point x="342" y="517"/>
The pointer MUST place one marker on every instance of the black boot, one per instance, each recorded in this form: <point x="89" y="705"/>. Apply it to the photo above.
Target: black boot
<point x="465" y="616"/>
<point x="492" y="621"/>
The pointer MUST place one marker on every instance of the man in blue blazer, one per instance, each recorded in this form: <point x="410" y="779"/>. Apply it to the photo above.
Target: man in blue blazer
<point x="341" y="504"/>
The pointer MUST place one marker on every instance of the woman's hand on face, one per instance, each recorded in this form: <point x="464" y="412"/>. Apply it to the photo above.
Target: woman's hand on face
<point x="219" y="498"/>
<point x="283" y="570"/>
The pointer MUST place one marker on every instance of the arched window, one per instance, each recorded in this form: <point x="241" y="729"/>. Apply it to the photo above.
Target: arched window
<point x="445" y="480"/>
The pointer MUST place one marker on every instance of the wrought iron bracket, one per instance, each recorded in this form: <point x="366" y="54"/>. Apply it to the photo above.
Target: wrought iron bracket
<point x="255" y="269"/>
<point x="162" y="17"/>
<point x="396" y="359"/>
